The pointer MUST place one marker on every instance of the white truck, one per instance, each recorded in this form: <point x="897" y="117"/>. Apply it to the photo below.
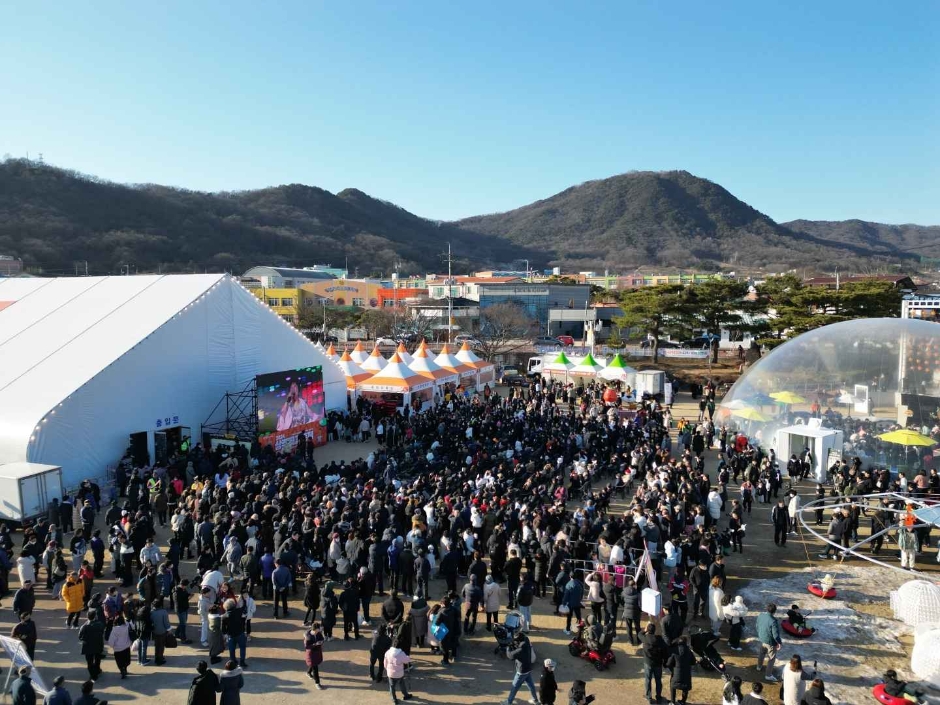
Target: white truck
<point x="27" y="489"/>
<point x="536" y="365"/>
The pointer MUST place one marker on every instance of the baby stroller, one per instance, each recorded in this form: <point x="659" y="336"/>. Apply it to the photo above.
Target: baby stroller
<point x="506" y="631"/>
<point x="703" y="646"/>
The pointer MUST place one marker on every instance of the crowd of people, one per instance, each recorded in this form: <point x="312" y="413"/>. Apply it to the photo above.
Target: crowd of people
<point x="490" y="502"/>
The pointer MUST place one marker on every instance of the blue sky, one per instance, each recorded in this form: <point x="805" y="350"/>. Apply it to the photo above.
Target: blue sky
<point x="822" y="110"/>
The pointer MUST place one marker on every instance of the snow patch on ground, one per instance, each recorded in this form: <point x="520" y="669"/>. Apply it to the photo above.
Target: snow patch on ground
<point x="852" y="648"/>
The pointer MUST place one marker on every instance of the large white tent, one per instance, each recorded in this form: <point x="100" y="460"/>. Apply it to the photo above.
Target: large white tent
<point x="87" y="361"/>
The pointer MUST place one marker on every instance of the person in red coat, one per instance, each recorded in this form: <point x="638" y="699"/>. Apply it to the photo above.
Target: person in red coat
<point x="313" y="652"/>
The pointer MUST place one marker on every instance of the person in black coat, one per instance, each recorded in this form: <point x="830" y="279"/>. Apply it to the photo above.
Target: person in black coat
<point x="312" y="590"/>
<point x="781" y="521"/>
<point x="381" y="642"/>
<point x="673" y="626"/>
<point x="204" y="686"/>
<point x="376" y="561"/>
<point x="680" y="664"/>
<point x="450" y="618"/>
<point x="365" y="586"/>
<point x="26" y="632"/>
<point x="349" y="604"/>
<point x="91" y="635"/>
<point x="422" y="575"/>
<point x="22" y="688"/>
<point x="513" y="570"/>
<point x="477" y="568"/>
<point x="449" y="568"/>
<point x="24" y="599"/>
<point x="393" y="609"/>
<point x="654" y="655"/>
<point x="699" y="580"/>
<point x="330" y="608"/>
<point x="631" y="611"/>
<point x="548" y="686"/>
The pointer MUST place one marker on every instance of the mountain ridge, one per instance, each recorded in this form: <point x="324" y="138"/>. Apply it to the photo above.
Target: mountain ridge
<point x="53" y="217"/>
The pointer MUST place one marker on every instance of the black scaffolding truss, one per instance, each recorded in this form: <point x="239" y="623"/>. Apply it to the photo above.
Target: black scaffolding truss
<point x="241" y="416"/>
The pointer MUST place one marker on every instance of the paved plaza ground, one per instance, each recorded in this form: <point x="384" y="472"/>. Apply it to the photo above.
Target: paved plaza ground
<point x="275" y="654"/>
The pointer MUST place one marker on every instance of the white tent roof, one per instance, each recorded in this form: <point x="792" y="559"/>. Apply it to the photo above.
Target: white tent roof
<point x="426" y="367"/>
<point x="132" y="351"/>
<point x="587" y="366"/>
<point x="449" y="361"/>
<point x="403" y="354"/>
<point x="808" y="431"/>
<point x="468" y="357"/>
<point x="375" y="362"/>
<point x="354" y="373"/>
<point x="396" y="377"/>
<point x="359" y="355"/>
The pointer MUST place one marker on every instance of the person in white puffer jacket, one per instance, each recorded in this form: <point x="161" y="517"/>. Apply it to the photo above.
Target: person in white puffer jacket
<point x="735" y="612"/>
<point x="714" y="507"/>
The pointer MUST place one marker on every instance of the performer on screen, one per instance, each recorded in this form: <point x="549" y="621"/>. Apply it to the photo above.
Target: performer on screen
<point x="295" y="411"/>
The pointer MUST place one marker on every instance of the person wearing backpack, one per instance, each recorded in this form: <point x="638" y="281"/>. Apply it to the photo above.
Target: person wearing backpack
<point x="522" y="652"/>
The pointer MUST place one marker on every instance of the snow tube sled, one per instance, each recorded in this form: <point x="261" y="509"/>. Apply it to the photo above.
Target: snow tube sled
<point x="816" y="589"/>
<point x="798" y="632"/>
<point x="882" y="697"/>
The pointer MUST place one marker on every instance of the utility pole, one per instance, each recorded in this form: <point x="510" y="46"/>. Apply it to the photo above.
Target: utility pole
<point x="450" y="292"/>
<point x="395" y="330"/>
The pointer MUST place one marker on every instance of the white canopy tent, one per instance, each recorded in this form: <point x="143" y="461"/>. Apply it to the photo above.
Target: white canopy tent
<point x="447" y="360"/>
<point x="375" y="362"/>
<point x="403" y="354"/>
<point x="87" y="361"/>
<point x="487" y="370"/>
<point x="426" y="367"/>
<point x="359" y="355"/>
<point x="618" y="371"/>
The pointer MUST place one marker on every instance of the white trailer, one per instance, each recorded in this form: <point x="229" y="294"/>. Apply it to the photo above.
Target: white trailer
<point x="27" y="489"/>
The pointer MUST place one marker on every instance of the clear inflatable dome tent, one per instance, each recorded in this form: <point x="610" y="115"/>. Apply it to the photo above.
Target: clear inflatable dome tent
<point x="917" y="602"/>
<point x="858" y="377"/>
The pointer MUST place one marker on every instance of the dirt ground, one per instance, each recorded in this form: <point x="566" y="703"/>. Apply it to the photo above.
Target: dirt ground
<point x="275" y="654"/>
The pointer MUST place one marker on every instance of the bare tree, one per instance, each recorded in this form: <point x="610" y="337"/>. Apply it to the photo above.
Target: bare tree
<point x="503" y="328"/>
<point x="378" y="322"/>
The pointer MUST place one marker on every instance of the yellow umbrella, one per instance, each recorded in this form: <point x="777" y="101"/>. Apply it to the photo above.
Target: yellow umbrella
<point x="787" y="398"/>
<point x="750" y="415"/>
<point x="907" y="437"/>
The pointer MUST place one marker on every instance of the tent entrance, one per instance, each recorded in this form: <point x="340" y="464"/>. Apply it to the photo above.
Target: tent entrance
<point x="170" y="441"/>
<point x="138" y="449"/>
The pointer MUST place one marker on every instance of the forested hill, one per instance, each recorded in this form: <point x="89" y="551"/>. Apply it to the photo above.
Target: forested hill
<point x="53" y="218"/>
<point x="889" y="240"/>
<point x="672" y="218"/>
